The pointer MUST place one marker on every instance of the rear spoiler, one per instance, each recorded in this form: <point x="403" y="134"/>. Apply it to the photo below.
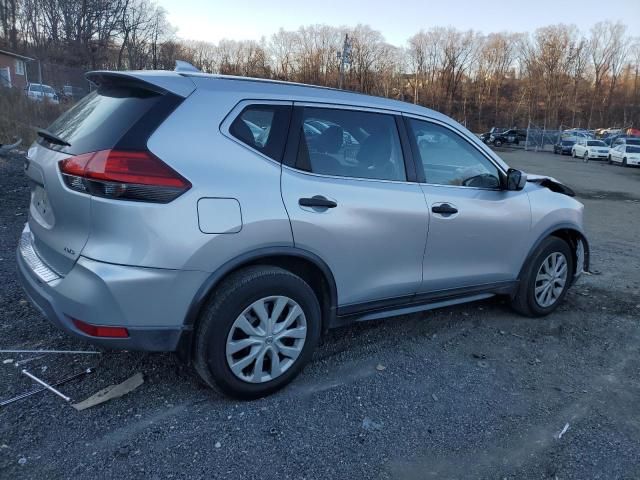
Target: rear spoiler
<point x="159" y="81"/>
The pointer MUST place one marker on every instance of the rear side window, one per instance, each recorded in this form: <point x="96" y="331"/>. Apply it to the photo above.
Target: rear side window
<point x="102" y="118"/>
<point x="263" y="128"/>
<point x="350" y="143"/>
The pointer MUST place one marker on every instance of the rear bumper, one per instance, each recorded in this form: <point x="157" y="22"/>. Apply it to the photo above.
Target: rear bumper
<point x="150" y="303"/>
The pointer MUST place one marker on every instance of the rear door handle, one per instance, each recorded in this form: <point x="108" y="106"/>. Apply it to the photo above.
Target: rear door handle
<point x="317" y="201"/>
<point x="444" y="209"/>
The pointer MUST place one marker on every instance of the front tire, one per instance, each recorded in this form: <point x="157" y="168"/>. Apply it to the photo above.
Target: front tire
<point x="545" y="279"/>
<point x="573" y="153"/>
<point x="257" y="332"/>
<point x="585" y="157"/>
<point x="497" y="143"/>
<point x="624" y="162"/>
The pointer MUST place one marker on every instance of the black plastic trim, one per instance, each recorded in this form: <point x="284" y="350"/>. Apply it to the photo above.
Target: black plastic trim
<point x="210" y="283"/>
<point x="548" y="232"/>
<point x="407" y="151"/>
<point x="293" y="140"/>
<point x="136" y="137"/>
<point x="415" y="153"/>
<point x="349" y="313"/>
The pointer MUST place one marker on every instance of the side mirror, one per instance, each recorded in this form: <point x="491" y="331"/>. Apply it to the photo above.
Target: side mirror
<point x="516" y="180"/>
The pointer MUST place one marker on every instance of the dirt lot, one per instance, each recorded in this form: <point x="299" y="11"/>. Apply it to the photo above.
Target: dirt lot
<point x="468" y="392"/>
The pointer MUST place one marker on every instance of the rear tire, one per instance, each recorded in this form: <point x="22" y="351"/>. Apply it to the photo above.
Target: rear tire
<point x="610" y="161"/>
<point x="270" y="365"/>
<point x="532" y="299"/>
<point x="573" y="153"/>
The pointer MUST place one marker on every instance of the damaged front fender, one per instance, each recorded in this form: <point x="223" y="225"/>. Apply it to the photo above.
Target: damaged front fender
<point x="551" y="183"/>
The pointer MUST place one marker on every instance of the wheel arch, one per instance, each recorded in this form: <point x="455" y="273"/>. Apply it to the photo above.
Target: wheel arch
<point x="571" y="234"/>
<point x="307" y="265"/>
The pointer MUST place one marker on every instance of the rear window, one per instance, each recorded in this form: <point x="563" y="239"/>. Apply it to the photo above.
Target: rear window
<point x="633" y="141"/>
<point x="100" y="119"/>
<point x="596" y="143"/>
<point x="633" y="149"/>
<point x="568" y="143"/>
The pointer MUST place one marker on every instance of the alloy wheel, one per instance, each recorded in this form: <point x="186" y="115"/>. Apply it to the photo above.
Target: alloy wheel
<point x="551" y="279"/>
<point x="266" y="339"/>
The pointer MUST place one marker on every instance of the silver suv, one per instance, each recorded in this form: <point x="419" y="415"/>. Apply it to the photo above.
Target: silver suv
<point x="236" y="220"/>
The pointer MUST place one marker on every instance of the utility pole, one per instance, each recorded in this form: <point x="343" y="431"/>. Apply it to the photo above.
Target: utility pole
<point x="345" y="57"/>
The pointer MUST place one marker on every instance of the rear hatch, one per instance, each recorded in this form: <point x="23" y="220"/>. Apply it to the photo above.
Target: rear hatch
<point x="120" y="114"/>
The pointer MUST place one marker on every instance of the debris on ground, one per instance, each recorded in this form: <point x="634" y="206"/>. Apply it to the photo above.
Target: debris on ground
<point x="111" y="392"/>
<point x="7" y="361"/>
<point x="46" y="385"/>
<point x="6" y="148"/>
<point x="42" y="389"/>
<point x="370" y="425"/>
<point x="381" y="367"/>
<point x="563" y="431"/>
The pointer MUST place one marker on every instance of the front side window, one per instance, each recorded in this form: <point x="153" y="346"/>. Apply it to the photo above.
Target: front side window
<point x="448" y="159"/>
<point x="263" y="128"/>
<point x="350" y="143"/>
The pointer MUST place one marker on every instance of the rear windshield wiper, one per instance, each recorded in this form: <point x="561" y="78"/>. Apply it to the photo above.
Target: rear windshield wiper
<point x="47" y="135"/>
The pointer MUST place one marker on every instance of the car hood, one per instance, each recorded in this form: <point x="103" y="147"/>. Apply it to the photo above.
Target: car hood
<point x="550" y="183"/>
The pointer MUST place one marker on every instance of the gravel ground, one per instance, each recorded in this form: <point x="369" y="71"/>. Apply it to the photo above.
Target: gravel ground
<point x="468" y="392"/>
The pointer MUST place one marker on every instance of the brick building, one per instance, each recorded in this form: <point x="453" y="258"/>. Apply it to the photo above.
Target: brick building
<point x="13" y="69"/>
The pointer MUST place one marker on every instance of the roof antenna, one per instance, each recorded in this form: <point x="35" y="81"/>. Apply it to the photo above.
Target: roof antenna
<point x="182" y="66"/>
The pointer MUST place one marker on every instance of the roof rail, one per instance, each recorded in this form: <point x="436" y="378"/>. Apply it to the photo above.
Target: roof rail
<point x="182" y="66"/>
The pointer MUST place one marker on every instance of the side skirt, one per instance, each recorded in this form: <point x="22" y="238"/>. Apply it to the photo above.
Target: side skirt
<point x="392" y="307"/>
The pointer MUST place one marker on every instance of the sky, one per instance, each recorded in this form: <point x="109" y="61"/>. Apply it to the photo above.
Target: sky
<point x="213" y="20"/>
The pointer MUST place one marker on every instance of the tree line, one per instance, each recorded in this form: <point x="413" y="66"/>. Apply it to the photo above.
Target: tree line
<point x="557" y="75"/>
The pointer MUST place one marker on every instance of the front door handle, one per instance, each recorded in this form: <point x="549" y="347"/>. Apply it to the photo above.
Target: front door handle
<point x="444" y="209"/>
<point x="317" y="201"/>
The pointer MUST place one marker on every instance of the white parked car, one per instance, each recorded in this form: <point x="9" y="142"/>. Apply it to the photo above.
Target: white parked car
<point x="40" y="92"/>
<point x="625" y="154"/>
<point x="587" y="148"/>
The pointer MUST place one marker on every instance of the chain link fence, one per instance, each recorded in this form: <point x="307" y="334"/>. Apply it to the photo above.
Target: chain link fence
<point x="541" y="139"/>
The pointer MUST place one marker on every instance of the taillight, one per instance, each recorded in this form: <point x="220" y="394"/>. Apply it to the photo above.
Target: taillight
<point x="124" y="175"/>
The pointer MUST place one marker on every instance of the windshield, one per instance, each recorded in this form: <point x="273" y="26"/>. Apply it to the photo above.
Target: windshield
<point x="596" y="143"/>
<point x="568" y="143"/>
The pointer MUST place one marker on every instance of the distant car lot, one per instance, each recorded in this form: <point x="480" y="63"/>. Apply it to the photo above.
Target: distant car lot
<point x="466" y="389"/>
